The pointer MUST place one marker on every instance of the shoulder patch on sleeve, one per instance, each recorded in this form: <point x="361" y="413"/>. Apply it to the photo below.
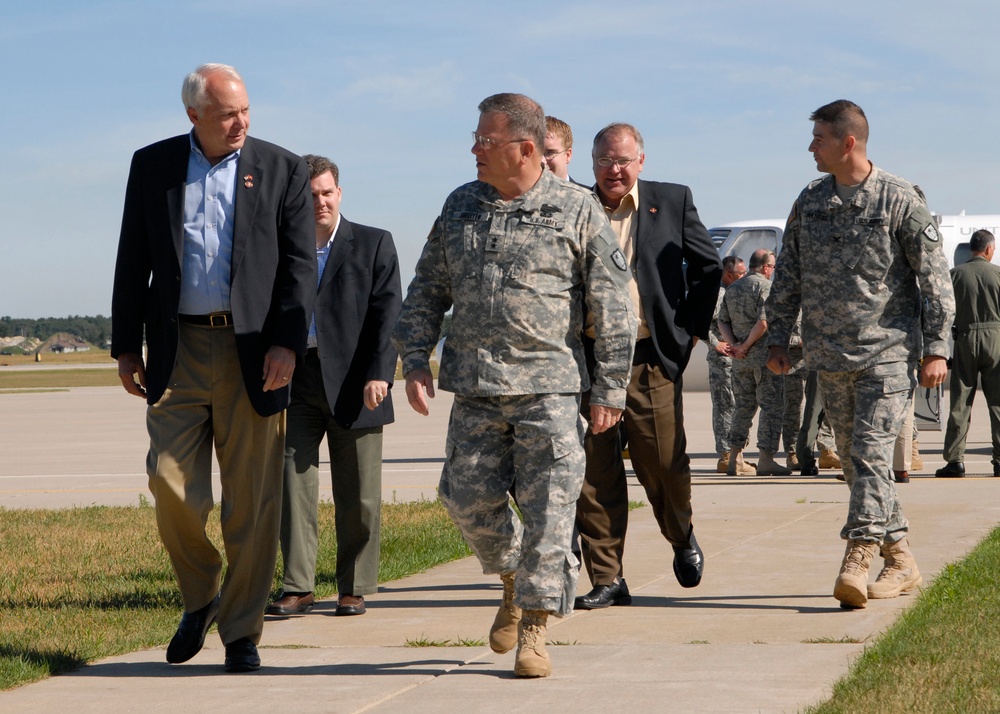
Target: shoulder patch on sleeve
<point x="618" y="258"/>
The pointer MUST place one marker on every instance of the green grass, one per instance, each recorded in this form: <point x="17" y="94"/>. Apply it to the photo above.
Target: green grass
<point x="81" y="584"/>
<point x="941" y="655"/>
<point x="51" y="379"/>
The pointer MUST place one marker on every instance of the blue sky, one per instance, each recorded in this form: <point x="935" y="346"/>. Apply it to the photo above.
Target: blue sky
<point x="721" y="90"/>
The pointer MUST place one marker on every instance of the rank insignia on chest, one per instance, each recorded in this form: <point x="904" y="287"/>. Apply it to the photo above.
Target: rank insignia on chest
<point x="619" y="260"/>
<point x="548" y="210"/>
<point x="493" y="244"/>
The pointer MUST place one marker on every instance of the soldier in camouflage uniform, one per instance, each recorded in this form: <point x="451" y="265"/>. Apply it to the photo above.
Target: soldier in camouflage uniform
<point x="720" y="368"/>
<point x="519" y="255"/>
<point x="862" y="259"/>
<point x="743" y="324"/>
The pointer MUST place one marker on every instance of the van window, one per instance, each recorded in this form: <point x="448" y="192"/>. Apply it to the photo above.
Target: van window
<point x="962" y="253"/>
<point x="753" y="238"/>
<point x="718" y="236"/>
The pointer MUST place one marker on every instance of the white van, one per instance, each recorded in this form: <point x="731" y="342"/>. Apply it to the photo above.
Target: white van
<point x="742" y="238"/>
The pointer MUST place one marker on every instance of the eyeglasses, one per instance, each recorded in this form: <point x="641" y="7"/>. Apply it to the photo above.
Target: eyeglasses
<point x="606" y="161"/>
<point x="549" y="155"/>
<point x="488" y="143"/>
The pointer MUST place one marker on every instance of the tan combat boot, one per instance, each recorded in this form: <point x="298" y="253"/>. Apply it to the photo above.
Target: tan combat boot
<point x="503" y="634"/>
<point x="792" y="461"/>
<point x="829" y="459"/>
<point x="767" y="466"/>
<point x="532" y="660"/>
<point x="851" y="587"/>
<point x="899" y="574"/>
<point x="916" y="461"/>
<point x="739" y="467"/>
<point x="723" y="465"/>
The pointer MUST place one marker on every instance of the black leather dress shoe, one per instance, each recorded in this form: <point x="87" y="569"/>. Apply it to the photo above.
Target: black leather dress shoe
<point x="689" y="563"/>
<point x="190" y="635"/>
<point x="603" y="596"/>
<point x="812" y="470"/>
<point x="952" y="469"/>
<point x="996" y="469"/>
<point x="241" y="656"/>
<point x="291" y="604"/>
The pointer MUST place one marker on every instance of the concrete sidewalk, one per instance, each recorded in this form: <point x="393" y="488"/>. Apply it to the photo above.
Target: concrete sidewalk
<point x="761" y="634"/>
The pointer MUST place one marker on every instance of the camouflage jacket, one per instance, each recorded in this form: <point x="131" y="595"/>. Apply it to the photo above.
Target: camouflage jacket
<point x="519" y="275"/>
<point x="870" y="277"/>
<point x="742" y="307"/>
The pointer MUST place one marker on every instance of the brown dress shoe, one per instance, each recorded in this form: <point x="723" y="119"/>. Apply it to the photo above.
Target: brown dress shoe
<point x="291" y="604"/>
<point x="350" y="605"/>
<point x="901" y="476"/>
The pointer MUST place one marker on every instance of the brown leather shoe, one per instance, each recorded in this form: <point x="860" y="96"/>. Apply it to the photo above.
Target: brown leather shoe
<point x="291" y="604"/>
<point x="350" y="605"/>
<point x="901" y="476"/>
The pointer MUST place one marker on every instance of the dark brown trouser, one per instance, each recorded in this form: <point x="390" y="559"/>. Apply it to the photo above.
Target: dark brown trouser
<point x="657" y="445"/>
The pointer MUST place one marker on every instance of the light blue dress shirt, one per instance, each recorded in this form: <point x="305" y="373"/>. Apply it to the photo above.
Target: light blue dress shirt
<point x="322" y="255"/>
<point x="209" y="209"/>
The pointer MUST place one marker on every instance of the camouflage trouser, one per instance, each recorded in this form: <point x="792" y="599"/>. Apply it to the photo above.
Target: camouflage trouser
<point x="535" y="444"/>
<point x="755" y="386"/>
<point x="720" y="384"/>
<point x="866" y="409"/>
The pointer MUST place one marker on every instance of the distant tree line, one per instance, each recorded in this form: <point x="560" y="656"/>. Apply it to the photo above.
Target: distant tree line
<point x="95" y="330"/>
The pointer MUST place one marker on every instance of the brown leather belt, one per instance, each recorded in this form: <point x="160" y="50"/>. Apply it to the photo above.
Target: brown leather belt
<point x="214" y="319"/>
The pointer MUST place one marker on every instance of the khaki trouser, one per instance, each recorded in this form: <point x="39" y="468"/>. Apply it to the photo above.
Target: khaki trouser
<point x="206" y="403"/>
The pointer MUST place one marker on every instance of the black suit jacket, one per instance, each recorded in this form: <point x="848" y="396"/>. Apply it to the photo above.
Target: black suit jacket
<point x="678" y="302"/>
<point x="359" y="299"/>
<point x="273" y="278"/>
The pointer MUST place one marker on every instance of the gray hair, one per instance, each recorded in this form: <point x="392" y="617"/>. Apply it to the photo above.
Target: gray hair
<point x="620" y="128"/>
<point x="525" y="117"/>
<point x="194" y="88"/>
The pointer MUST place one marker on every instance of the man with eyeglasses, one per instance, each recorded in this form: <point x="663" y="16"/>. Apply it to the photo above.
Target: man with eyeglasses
<point x="558" y="147"/>
<point x="519" y="256"/>
<point x="658" y="229"/>
<point x="743" y="324"/>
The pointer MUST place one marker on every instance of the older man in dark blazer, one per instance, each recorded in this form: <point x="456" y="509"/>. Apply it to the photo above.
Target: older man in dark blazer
<point x="215" y="265"/>
<point x="342" y="392"/>
<point x="659" y="231"/>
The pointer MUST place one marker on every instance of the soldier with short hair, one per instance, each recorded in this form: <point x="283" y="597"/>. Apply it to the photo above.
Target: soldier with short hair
<point x="743" y="324"/>
<point x="862" y="259"/>
<point x="520" y="256"/>
<point x="977" y="351"/>
<point x="720" y="369"/>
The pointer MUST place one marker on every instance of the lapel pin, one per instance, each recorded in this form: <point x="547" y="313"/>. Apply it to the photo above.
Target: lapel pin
<point x="248" y="180"/>
<point x="652" y="209"/>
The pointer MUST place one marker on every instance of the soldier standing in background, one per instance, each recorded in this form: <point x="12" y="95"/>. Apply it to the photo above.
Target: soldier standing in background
<point x="743" y="323"/>
<point x="720" y="371"/>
